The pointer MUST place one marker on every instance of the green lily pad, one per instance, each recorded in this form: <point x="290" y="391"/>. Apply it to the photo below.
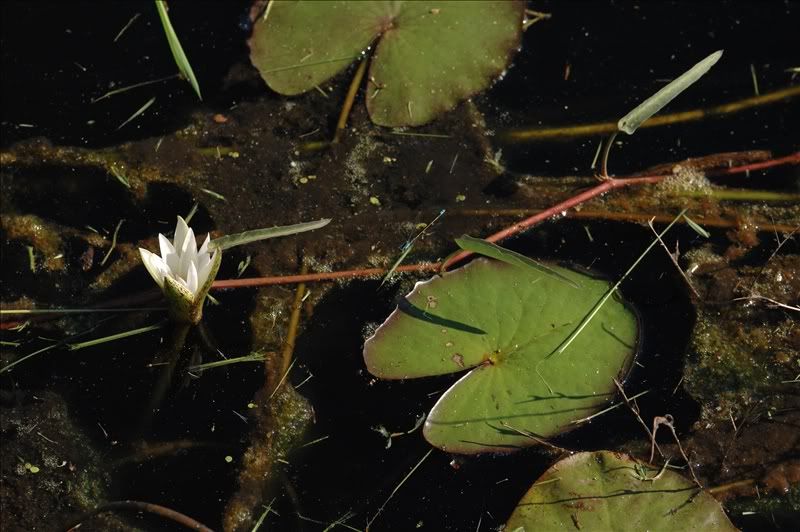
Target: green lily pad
<point x="607" y="491"/>
<point x="504" y="323"/>
<point x="428" y="55"/>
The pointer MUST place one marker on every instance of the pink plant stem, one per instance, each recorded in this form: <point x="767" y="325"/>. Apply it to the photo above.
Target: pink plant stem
<point x="605" y="186"/>
<point x="560" y="208"/>
<point x="794" y="158"/>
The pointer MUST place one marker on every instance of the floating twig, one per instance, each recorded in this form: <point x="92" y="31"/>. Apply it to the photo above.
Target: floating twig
<point x="610" y="408"/>
<point x="405" y="478"/>
<point x="126" y="26"/>
<point x="115" y="337"/>
<point x="667" y="420"/>
<point x="253" y="357"/>
<point x="635" y="409"/>
<point x="407" y="248"/>
<point x="141" y="110"/>
<point x="113" y="243"/>
<point x="674" y="258"/>
<point x="139" y="506"/>
<point x="349" y="99"/>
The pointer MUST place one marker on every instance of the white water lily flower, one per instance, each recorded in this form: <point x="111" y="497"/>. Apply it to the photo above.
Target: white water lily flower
<point x="183" y="272"/>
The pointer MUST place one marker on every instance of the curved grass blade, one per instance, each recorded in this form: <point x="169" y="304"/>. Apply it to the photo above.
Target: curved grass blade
<point x="177" y="50"/>
<point x="631" y="121"/>
<point x="696" y="227"/>
<point x="229" y="241"/>
<point x="479" y="245"/>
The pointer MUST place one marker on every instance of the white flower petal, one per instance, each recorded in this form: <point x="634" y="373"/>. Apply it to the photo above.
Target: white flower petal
<point x="203" y="256"/>
<point x="155" y="266"/>
<point x="204" y="248"/>
<point x="187" y="255"/>
<point x="165" y="245"/>
<point x="203" y="271"/>
<point x="181" y="230"/>
<point x="172" y="261"/>
<point x="191" y="279"/>
<point x="181" y="264"/>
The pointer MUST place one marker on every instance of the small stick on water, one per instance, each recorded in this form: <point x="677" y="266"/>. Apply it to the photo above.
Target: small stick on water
<point x="192" y="212"/>
<point x="613" y="289"/>
<point x="635" y="409"/>
<point x="337" y="522"/>
<point x="114" y="337"/>
<point x="35" y="311"/>
<point x="215" y="195"/>
<point x="313" y="442"/>
<point x="141" y="110"/>
<point x="113" y="243"/>
<point x="126" y="26"/>
<point x="531" y="435"/>
<point x="283" y="378"/>
<point x="755" y="79"/>
<point x="549" y="481"/>
<point x="428" y="135"/>
<point x="771" y="302"/>
<point x="532" y="17"/>
<point x="138" y="506"/>
<point x="453" y="164"/>
<point x="349" y="99"/>
<point x="596" y="155"/>
<point x="340" y="521"/>
<point x="674" y="259"/>
<point x="263" y="516"/>
<point x="397" y="488"/>
<point x="255" y="357"/>
<point x="407" y="248"/>
<point x="668" y="421"/>
<point x="610" y="408"/>
<point x="130" y="87"/>
<point x="294" y="323"/>
<point x="26" y="357"/>
<point x="731" y="485"/>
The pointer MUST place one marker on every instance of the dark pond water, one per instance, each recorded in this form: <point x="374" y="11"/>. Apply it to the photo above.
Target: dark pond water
<point x="591" y="62"/>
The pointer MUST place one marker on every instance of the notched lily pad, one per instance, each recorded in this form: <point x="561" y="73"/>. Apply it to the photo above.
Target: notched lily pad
<point x="610" y="491"/>
<point x="428" y="55"/>
<point x="504" y="324"/>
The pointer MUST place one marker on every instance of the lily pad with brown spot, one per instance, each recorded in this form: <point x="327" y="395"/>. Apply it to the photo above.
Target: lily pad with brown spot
<point x="604" y="490"/>
<point x="504" y="325"/>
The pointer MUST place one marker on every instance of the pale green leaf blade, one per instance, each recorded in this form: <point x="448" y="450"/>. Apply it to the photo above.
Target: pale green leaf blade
<point x="246" y="237"/>
<point x="490" y="249"/>
<point x="631" y="121"/>
<point x="175" y="47"/>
